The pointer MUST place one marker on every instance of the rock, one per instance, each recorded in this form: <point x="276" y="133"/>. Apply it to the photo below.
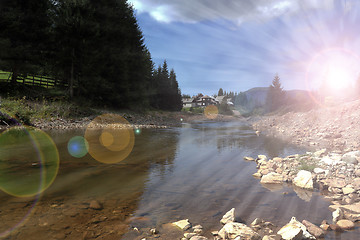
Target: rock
<point x="319" y="153"/>
<point x="266" y="237"/>
<point x="277" y="159"/>
<point x="324" y="226"/>
<point x="95" y="205"/>
<point x="262" y="157"/>
<point x="345" y="224"/>
<point x="257" y="175"/>
<point x="354" y="208"/>
<point x="303" y="180"/>
<point x="337" y="215"/>
<point x="198" y="238"/>
<point x="232" y="230"/>
<point x="257" y="221"/>
<point x="228" y="217"/>
<point x="189" y="235"/>
<point x="336" y="183"/>
<point x="272" y="178"/>
<point x="294" y="230"/>
<point x="319" y="170"/>
<point x="313" y="229"/>
<point x="351" y="157"/>
<point x="183" y="224"/>
<point x="249" y="159"/>
<point x="348" y="190"/>
<point x="335" y="228"/>
<point x="154" y="231"/>
<point x="215" y="233"/>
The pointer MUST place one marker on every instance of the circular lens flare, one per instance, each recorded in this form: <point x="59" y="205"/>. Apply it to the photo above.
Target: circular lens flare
<point x="111" y="138"/>
<point x="78" y="147"/>
<point x="29" y="161"/>
<point x="211" y="112"/>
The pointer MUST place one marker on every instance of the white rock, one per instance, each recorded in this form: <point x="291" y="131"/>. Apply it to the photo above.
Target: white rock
<point x="304" y="180"/>
<point x="232" y="230"/>
<point x="183" y="224"/>
<point x="319" y="170"/>
<point x="272" y="178"/>
<point x="294" y="230"/>
<point x="337" y="215"/>
<point x="228" y="217"/>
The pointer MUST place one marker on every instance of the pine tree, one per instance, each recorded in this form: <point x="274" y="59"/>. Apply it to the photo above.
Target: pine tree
<point x="220" y="92"/>
<point x="25" y="28"/>
<point x="276" y="95"/>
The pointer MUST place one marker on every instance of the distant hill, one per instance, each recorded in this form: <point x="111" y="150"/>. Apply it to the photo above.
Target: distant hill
<point x="254" y="99"/>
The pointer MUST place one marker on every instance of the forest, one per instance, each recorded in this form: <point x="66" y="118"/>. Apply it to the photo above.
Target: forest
<point x="94" y="49"/>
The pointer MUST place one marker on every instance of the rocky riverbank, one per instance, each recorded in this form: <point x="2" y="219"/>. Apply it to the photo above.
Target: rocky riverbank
<point x="335" y="128"/>
<point x="136" y="120"/>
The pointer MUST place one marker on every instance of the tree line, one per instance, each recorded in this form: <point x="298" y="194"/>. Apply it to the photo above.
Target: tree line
<point x="97" y="47"/>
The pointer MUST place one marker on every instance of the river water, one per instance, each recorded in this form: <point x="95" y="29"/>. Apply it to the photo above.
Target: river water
<point x="194" y="172"/>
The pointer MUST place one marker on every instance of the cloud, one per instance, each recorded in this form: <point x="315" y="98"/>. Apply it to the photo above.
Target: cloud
<point x="191" y="11"/>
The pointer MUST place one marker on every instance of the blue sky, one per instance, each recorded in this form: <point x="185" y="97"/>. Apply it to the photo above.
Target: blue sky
<point x="240" y="44"/>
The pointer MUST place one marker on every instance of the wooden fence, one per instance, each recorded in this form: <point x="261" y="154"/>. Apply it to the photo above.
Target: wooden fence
<point x="34" y="80"/>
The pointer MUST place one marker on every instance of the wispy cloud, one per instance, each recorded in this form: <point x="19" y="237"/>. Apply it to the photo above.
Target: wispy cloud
<point x="191" y="11"/>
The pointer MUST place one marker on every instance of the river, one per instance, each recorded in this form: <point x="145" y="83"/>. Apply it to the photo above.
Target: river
<point x="194" y="172"/>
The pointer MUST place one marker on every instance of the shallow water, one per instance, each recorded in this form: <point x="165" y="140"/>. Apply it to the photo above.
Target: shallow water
<point x="195" y="171"/>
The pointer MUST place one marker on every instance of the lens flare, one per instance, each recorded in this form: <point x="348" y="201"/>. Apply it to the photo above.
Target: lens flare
<point x="29" y="161"/>
<point x="211" y="112"/>
<point x="111" y="138"/>
<point x="137" y="131"/>
<point x="330" y="73"/>
<point x="78" y="146"/>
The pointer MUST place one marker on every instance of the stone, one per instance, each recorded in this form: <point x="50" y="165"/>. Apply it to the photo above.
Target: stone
<point x="337" y="215"/>
<point x="294" y="230"/>
<point x="198" y="238"/>
<point x="94" y="204"/>
<point x="272" y="178"/>
<point x="348" y="190"/>
<point x="257" y="221"/>
<point x="249" y="159"/>
<point x="336" y="183"/>
<point x="277" y="159"/>
<point x="232" y="230"/>
<point x="228" y="217"/>
<point x="319" y="153"/>
<point x="335" y="228"/>
<point x="262" y="157"/>
<point x="154" y="231"/>
<point x="189" y="235"/>
<point x="319" y="170"/>
<point x="324" y="226"/>
<point x="183" y="224"/>
<point x="345" y="224"/>
<point x="351" y="157"/>
<point x="304" y="180"/>
<point x="354" y="208"/>
<point x="313" y="229"/>
<point x="257" y="175"/>
<point x="266" y="237"/>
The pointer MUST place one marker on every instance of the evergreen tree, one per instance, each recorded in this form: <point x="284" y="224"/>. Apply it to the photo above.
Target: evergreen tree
<point x="276" y="95"/>
<point x="24" y="28"/>
<point x="220" y="92"/>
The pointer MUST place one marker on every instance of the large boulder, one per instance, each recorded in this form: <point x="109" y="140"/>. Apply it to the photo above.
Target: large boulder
<point x="351" y="157"/>
<point x="345" y="224"/>
<point x="272" y="178"/>
<point x="294" y="230"/>
<point x="304" y="180"/>
<point x="232" y="230"/>
<point x="228" y="217"/>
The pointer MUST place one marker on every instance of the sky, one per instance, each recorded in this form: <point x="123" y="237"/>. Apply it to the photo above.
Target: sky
<point x="240" y="44"/>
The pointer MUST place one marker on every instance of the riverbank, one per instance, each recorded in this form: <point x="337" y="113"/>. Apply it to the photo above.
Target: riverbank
<point x="336" y="128"/>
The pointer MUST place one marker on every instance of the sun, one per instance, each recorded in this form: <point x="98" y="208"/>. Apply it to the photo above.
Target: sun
<point x="339" y="78"/>
<point x="333" y="69"/>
